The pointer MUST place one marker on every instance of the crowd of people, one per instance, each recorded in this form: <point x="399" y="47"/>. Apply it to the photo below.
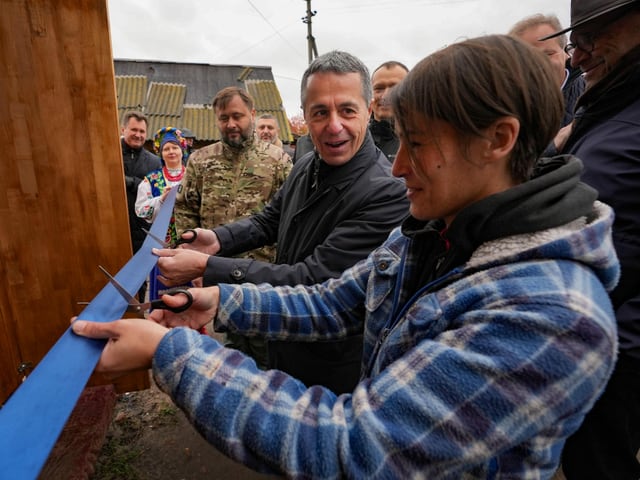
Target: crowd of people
<point x="453" y="290"/>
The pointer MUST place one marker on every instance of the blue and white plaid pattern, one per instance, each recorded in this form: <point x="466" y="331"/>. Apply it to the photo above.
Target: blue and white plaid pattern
<point x="483" y="376"/>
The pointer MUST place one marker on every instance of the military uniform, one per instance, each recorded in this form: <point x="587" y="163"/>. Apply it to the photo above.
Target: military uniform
<point x="223" y="184"/>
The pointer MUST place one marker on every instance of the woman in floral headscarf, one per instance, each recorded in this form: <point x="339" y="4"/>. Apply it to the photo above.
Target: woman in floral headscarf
<point x="153" y="189"/>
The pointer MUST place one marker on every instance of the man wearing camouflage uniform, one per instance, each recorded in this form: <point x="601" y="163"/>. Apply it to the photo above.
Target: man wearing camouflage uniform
<point x="232" y="179"/>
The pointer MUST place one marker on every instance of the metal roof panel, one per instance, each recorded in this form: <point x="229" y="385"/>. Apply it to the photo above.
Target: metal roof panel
<point x="180" y="94"/>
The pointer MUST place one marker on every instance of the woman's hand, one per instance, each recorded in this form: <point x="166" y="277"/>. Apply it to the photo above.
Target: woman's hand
<point x="131" y="343"/>
<point x="166" y="191"/>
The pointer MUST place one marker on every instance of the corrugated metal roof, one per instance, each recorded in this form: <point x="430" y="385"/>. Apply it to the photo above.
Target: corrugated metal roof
<point x="171" y="85"/>
<point x="166" y="99"/>
<point x="265" y="93"/>
<point x="132" y="93"/>
<point x="201" y="121"/>
<point x="156" y="122"/>
<point x="203" y="80"/>
<point x="165" y="103"/>
<point x="268" y="100"/>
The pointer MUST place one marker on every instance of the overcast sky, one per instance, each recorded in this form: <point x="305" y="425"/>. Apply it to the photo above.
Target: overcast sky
<point x="271" y="32"/>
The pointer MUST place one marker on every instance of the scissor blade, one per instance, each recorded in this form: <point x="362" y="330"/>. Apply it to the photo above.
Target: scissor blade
<point x="161" y="242"/>
<point x="121" y="290"/>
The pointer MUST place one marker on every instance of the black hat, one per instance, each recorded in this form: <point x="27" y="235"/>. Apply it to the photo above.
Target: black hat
<point x="583" y="11"/>
<point x="186" y="133"/>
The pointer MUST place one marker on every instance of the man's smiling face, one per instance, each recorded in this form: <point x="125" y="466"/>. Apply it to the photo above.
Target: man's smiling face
<point x="337" y="115"/>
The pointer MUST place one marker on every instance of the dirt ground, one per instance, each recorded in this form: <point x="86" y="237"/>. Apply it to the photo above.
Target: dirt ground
<point x="149" y="438"/>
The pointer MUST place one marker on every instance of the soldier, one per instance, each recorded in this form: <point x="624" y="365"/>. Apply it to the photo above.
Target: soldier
<point x="232" y="179"/>
<point x="268" y="130"/>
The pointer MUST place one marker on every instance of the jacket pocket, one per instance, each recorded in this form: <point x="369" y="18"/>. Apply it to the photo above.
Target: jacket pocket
<point x="382" y="278"/>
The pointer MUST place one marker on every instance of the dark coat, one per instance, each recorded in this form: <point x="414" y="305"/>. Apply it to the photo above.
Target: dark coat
<point x="606" y="137"/>
<point x="137" y="163"/>
<point x="319" y="235"/>
<point x="304" y="145"/>
<point x="384" y="137"/>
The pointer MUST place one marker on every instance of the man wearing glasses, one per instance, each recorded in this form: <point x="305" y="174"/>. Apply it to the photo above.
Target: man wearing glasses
<point x="605" y="135"/>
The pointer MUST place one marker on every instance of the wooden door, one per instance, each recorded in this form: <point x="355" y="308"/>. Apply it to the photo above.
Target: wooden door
<point x="62" y="197"/>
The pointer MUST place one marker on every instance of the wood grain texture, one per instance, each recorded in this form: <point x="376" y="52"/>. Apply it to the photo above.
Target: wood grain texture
<point x="62" y="196"/>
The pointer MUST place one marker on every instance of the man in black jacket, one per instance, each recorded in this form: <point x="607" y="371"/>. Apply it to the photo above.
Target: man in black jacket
<point x="605" y="135"/>
<point x="381" y="125"/>
<point x="137" y="161"/>
<point x="338" y="203"/>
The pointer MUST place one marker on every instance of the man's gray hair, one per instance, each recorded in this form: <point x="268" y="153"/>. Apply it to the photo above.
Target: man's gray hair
<point x="340" y="63"/>
<point x="535" y="20"/>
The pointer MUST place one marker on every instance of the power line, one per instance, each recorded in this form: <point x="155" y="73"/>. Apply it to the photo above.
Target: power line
<point x="271" y="25"/>
<point x="261" y="41"/>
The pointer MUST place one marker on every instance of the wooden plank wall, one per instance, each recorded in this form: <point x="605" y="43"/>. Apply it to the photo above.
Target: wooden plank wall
<point x="62" y="196"/>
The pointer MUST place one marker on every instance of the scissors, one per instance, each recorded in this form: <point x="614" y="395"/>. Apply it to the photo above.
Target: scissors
<point x="135" y="306"/>
<point x="180" y="240"/>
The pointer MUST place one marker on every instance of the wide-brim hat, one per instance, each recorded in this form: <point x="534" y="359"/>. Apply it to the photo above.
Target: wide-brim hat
<point x="584" y="11"/>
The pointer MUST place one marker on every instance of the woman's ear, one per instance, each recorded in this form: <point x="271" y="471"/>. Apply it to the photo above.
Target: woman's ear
<point x="502" y="136"/>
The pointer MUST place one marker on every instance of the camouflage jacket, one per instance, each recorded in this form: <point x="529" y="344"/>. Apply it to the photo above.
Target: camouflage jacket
<point x="223" y="184"/>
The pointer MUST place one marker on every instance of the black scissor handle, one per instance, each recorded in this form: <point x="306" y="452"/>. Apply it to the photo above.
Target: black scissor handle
<point x="190" y="239"/>
<point x="159" y="304"/>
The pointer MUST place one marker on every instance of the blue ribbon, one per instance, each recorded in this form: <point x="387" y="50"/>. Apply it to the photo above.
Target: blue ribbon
<point x="33" y="417"/>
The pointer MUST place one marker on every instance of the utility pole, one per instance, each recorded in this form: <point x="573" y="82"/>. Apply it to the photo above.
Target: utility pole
<point x="311" y="41"/>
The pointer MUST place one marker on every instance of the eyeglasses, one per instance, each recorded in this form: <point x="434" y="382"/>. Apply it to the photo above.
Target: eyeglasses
<point x="585" y="42"/>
